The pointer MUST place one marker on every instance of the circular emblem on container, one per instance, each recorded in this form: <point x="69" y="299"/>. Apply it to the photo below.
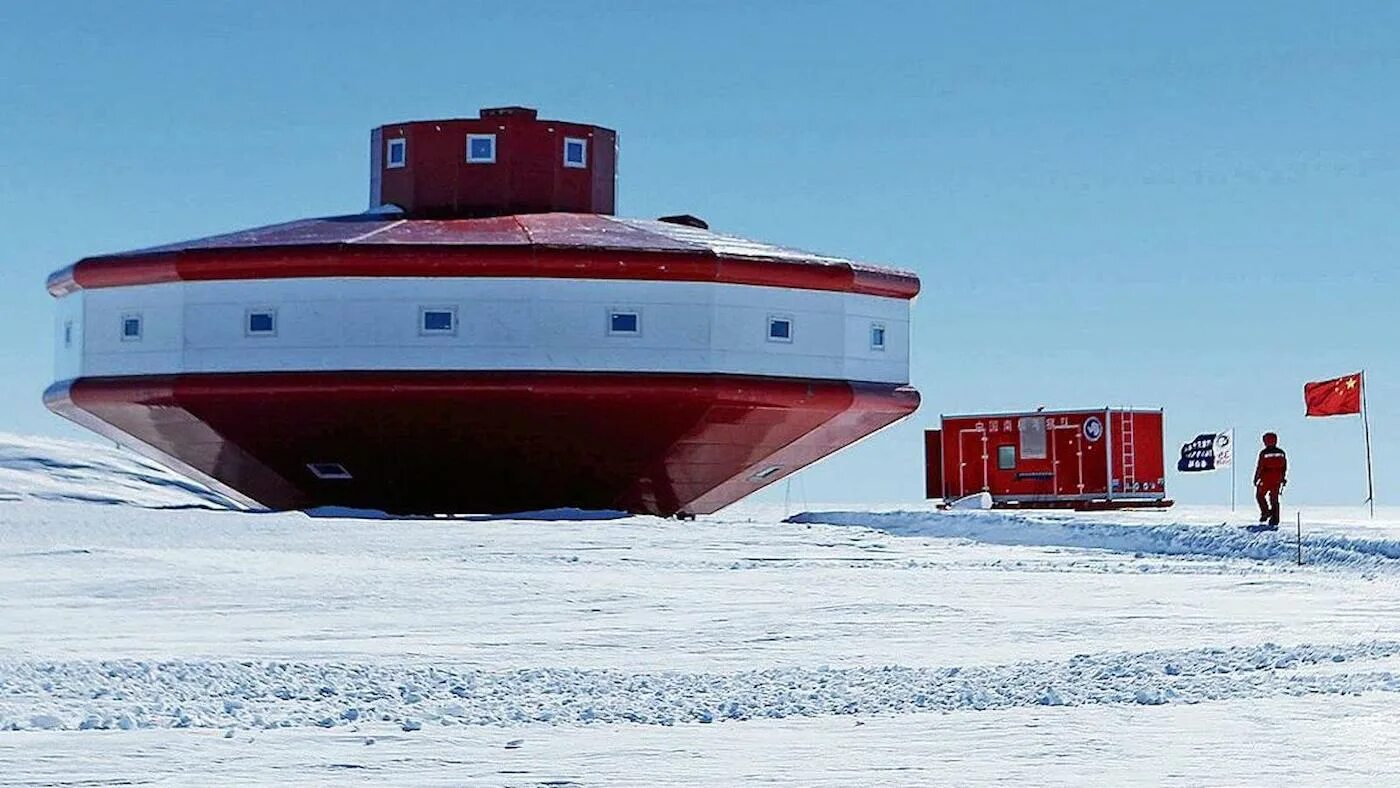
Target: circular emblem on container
<point x="1093" y="428"/>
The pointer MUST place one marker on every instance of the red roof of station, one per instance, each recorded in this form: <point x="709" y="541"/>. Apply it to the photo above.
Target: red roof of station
<point x="563" y="245"/>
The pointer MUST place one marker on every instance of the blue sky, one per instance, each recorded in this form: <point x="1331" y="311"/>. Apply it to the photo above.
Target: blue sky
<point x="1179" y="205"/>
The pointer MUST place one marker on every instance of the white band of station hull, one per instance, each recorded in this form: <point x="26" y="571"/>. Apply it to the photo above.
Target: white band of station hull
<point x="498" y="324"/>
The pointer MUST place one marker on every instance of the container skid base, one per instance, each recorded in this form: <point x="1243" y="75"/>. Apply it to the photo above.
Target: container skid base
<point x="1101" y="505"/>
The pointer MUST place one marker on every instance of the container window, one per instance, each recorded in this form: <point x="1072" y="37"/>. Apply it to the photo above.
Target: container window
<point x="575" y="153"/>
<point x="437" y="320"/>
<point x="1006" y="458"/>
<point x="68" y="333"/>
<point x="877" y="336"/>
<point x="261" y="323"/>
<point x="131" y="328"/>
<point x="329" y="470"/>
<point x="626" y="323"/>
<point x="481" y="148"/>
<point x="396" y="153"/>
<point x="779" y="329"/>
<point x="1032" y="429"/>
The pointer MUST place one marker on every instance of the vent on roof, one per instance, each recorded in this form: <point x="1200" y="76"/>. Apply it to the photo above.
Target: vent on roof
<point x="686" y="220"/>
<point x="496" y="112"/>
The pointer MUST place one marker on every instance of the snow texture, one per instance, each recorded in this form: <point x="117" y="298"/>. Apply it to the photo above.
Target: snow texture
<point x="159" y="639"/>
<point x="54" y="470"/>
<point x="1090" y="532"/>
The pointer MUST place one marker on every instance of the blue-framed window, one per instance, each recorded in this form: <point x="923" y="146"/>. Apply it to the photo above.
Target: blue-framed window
<point x="877" y="336"/>
<point x="396" y="153"/>
<point x="481" y="148"/>
<point x="624" y="322"/>
<point x="575" y="152"/>
<point x="260" y="323"/>
<point x="132" y="327"/>
<point x="437" y="320"/>
<point x="779" y="328"/>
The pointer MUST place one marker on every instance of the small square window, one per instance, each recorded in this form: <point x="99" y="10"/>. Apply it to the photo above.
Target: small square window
<point x="437" y="320"/>
<point x="396" y="153"/>
<point x="575" y="152"/>
<point x="68" y="333"/>
<point x="624" y="322"/>
<point x="779" y="329"/>
<point x="877" y="336"/>
<point x="131" y="328"/>
<point x="329" y="470"/>
<point x="261" y="323"/>
<point x="1006" y="458"/>
<point x="481" y="148"/>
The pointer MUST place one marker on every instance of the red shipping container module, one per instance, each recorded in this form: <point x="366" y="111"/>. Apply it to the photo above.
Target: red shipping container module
<point x="1076" y="459"/>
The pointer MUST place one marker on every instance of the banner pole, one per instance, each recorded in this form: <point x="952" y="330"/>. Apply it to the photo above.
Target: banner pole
<point x="1366" y="426"/>
<point x="1233" y="484"/>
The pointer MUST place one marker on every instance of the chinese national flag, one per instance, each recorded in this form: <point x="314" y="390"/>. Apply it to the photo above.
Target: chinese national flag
<point x="1337" y="397"/>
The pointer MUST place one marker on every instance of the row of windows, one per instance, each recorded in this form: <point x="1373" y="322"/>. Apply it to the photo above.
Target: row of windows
<point x="481" y="149"/>
<point x="435" y="320"/>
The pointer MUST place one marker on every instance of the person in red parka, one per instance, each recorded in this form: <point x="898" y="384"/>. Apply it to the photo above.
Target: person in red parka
<point x="1270" y="476"/>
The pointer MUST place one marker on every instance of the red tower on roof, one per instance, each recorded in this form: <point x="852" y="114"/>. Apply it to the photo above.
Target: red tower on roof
<point x="505" y="161"/>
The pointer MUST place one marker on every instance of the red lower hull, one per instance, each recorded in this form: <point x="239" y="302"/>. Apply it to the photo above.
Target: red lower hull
<point x="434" y="442"/>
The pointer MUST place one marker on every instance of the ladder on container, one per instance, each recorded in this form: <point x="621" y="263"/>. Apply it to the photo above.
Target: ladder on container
<point x="1128" y="452"/>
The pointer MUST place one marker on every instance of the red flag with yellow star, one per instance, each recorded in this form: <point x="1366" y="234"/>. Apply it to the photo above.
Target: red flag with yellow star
<point x="1336" y="397"/>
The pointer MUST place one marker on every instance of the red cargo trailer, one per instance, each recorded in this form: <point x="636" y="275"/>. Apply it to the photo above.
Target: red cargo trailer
<point x="1105" y="458"/>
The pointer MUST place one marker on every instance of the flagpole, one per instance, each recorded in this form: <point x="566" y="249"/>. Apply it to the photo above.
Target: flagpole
<point x="1233" y="485"/>
<point x="1366" y="427"/>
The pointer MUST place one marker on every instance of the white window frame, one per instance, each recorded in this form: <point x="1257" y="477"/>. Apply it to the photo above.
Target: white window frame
<point x="259" y="310"/>
<point x="397" y="142"/>
<point x="576" y="165"/>
<point x="474" y="137"/>
<point x="884" y="337"/>
<point x="768" y="328"/>
<point x="622" y="310"/>
<point x="330" y="471"/>
<point x="140" y="327"/>
<point x="423" y="329"/>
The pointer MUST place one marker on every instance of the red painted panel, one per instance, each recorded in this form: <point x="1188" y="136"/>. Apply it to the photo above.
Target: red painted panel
<point x="490" y="442"/>
<point x="447" y="261"/>
<point x="933" y="463"/>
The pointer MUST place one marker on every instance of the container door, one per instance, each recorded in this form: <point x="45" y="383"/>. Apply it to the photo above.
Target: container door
<point x="933" y="464"/>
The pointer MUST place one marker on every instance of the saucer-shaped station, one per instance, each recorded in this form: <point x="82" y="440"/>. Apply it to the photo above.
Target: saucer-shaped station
<point x="486" y="339"/>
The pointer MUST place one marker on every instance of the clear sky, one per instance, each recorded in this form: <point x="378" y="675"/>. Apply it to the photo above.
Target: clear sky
<point x="1186" y="205"/>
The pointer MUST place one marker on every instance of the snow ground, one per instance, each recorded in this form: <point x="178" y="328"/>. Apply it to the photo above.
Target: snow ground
<point x="143" y="641"/>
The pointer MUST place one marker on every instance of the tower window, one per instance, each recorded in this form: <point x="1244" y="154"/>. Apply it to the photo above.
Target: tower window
<point x="626" y="323"/>
<point x="437" y="320"/>
<point x="396" y="153"/>
<point x="779" y="329"/>
<point x="481" y="148"/>
<point x="260" y="323"/>
<point x="131" y="327"/>
<point x="575" y="152"/>
<point x="877" y="336"/>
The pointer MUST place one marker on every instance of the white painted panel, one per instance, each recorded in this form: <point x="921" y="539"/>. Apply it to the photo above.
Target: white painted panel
<point x="502" y="324"/>
<point x="68" y="336"/>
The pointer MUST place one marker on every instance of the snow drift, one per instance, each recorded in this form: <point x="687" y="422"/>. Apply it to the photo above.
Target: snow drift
<point x="1087" y="532"/>
<point x="45" y="469"/>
